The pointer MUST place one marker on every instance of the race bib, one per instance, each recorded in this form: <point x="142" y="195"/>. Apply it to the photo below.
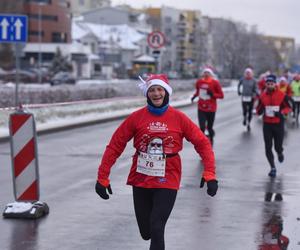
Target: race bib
<point x="270" y="110"/>
<point x="152" y="165"/>
<point x="296" y="98"/>
<point x="247" y="98"/>
<point x="203" y="94"/>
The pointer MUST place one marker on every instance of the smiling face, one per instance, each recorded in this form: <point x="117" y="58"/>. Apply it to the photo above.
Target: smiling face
<point x="156" y="94"/>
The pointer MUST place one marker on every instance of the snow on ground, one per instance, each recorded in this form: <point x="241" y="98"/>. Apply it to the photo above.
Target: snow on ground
<point x="18" y="207"/>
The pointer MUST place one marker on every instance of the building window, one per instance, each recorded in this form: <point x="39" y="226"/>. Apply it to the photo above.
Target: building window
<point x="168" y="31"/>
<point x="44" y="17"/>
<point x="93" y="47"/>
<point x="278" y="44"/>
<point x="97" y="67"/>
<point x="36" y="33"/>
<point x="39" y="1"/>
<point x="168" y="19"/>
<point x="58" y="37"/>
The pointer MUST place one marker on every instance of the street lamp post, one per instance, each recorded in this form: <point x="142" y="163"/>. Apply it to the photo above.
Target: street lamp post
<point x="40" y="42"/>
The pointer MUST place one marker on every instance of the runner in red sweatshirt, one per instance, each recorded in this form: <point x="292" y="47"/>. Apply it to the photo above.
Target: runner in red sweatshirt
<point x="273" y="104"/>
<point x="208" y="90"/>
<point x="158" y="131"/>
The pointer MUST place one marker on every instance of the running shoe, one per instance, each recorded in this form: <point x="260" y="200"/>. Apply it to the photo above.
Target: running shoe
<point x="248" y="127"/>
<point x="280" y="157"/>
<point x="272" y="173"/>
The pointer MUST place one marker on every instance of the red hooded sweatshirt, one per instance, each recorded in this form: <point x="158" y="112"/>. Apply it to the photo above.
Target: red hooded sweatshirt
<point x="208" y="103"/>
<point x="270" y="102"/>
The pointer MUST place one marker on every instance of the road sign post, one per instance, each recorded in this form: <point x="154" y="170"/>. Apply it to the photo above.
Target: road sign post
<point x="156" y="40"/>
<point x="14" y="29"/>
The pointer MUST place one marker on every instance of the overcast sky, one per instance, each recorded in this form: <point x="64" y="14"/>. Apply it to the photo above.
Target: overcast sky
<point x="272" y="17"/>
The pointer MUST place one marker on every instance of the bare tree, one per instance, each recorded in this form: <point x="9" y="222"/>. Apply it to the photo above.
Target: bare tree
<point x="231" y="47"/>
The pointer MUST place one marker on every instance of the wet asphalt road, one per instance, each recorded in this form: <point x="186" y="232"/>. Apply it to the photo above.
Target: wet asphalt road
<point x="233" y="220"/>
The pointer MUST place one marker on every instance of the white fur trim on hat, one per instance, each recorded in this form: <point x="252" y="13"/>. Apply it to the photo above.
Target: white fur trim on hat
<point x="208" y="70"/>
<point x="282" y="79"/>
<point x="158" y="82"/>
<point x="249" y="70"/>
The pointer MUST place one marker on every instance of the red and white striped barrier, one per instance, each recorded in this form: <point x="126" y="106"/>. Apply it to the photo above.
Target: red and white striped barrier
<point x="24" y="168"/>
<point x="24" y="156"/>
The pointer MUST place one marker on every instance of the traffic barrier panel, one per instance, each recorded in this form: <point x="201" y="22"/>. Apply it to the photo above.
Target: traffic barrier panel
<point x="25" y="174"/>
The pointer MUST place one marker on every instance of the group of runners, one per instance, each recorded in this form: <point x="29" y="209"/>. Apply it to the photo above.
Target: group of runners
<point x="158" y="131"/>
<point x="275" y="99"/>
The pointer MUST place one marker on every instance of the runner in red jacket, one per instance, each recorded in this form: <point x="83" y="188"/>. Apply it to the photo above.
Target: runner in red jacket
<point x="273" y="103"/>
<point x="208" y="90"/>
<point x="157" y="131"/>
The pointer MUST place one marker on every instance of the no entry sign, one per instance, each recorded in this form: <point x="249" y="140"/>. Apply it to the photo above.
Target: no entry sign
<point x="156" y="39"/>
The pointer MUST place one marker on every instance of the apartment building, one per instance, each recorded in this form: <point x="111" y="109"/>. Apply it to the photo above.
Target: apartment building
<point x="49" y="21"/>
<point x="181" y="28"/>
<point x="187" y="45"/>
<point x="284" y="45"/>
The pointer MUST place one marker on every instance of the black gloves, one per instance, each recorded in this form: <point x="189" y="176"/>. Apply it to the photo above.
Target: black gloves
<point x="192" y="99"/>
<point x="212" y="186"/>
<point x="101" y="191"/>
<point x="210" y="93"/>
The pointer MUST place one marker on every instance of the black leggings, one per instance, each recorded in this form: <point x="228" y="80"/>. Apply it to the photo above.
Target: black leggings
<point x="247" y="110"/>
<point x="207" y="118"/>
<point x="273" y="132"/>
<point x="296" y="108"/>
<point x="152" y="209"/>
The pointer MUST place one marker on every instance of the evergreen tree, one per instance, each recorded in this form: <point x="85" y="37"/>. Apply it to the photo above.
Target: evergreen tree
<point x="60" y="63"/>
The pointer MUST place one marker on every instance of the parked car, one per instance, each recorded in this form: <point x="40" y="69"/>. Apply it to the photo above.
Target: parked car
<point x="62" y="78"/>
<point x="25" y="76"/>
<point x="45" y="75"/>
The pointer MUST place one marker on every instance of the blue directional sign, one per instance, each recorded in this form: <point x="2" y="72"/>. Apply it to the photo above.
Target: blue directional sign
<point x="13" y="28"/>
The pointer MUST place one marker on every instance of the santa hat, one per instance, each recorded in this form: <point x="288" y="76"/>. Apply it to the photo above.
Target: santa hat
<point x="282" y="79"/>
<point x="158" y="79"/>
<point x="248" y="70"/>
<point x="208" y="70"/>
